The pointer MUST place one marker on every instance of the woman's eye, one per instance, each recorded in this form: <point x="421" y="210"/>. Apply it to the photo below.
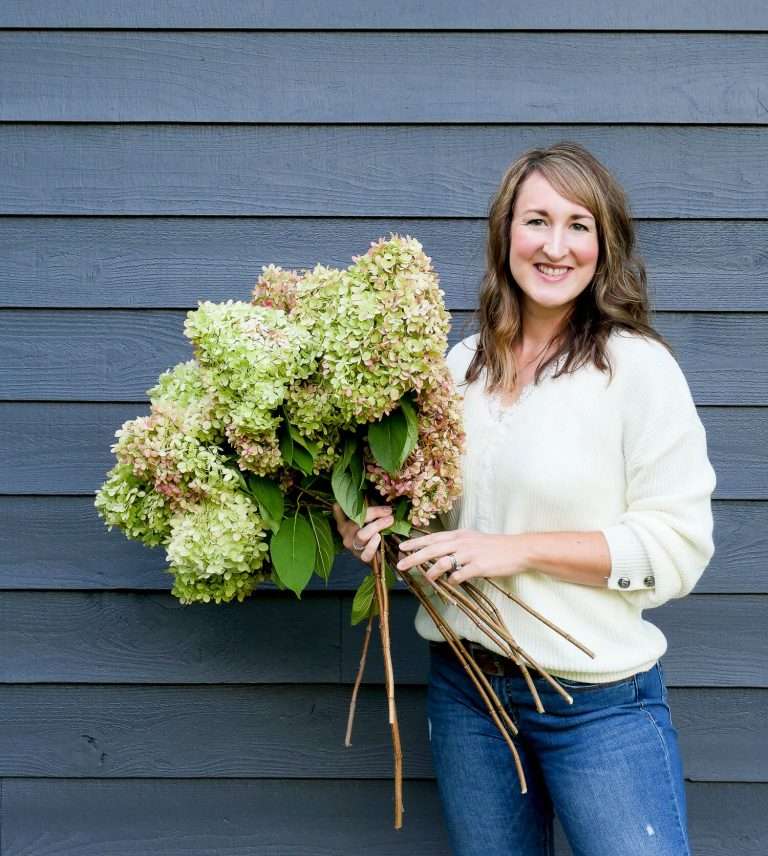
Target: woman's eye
<point x="534" y="221"/>
<point x="582" y="227"/>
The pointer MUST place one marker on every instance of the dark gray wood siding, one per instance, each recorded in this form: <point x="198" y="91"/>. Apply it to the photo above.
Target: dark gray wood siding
<point x="155" y="154"/>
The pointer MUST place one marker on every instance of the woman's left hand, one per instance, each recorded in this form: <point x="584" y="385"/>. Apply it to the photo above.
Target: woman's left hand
<point x="479" y="554"/>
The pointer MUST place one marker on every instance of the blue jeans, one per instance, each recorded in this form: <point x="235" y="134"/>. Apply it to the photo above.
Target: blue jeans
<point x="608" y="764"/>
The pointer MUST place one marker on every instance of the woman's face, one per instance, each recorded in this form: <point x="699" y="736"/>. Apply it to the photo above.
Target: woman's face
<point x="553" y="248"/>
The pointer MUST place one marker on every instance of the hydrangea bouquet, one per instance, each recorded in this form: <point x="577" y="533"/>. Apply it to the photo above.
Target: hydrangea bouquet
<point x="327" y="386"/>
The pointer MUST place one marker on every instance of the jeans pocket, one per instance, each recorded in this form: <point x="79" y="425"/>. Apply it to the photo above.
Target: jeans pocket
<point x="568" y="684"/>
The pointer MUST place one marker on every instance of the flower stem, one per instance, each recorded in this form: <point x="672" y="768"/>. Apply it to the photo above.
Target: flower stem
<point x="382" y="597"/>
<point x="358" y="679"/>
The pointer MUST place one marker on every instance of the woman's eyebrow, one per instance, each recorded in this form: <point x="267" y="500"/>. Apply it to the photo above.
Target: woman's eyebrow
<point x="546" y="214"/>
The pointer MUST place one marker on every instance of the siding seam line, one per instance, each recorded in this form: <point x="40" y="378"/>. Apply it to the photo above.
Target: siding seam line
<point x="341" y="639"/>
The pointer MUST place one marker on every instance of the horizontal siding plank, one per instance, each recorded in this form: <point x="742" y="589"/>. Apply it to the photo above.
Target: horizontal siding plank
<point x="298" y="732"/>
<point x="174" y="262"/>
<point x="117" y="355"/>
<point x="64" y="447"/>
<point x="381" y="77"/>
<point x="218" y="818"/>
<point x="206" y="817"/>
<point x="398" y="14"/>
<point x="99" y="637"/>
<point x="167" y="263"/>
<point x="395" y="171"/>
<point x="54" y="542"/>
<point x="146" y="638"/>
<point x="301" y="818"/>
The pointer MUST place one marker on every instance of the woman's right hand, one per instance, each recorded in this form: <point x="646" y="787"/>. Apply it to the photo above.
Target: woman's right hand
<point x="377" y="517"/>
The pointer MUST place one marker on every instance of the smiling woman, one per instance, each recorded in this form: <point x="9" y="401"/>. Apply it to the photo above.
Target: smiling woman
<point x="587" y="495"/>
<point x="552" y="244"/>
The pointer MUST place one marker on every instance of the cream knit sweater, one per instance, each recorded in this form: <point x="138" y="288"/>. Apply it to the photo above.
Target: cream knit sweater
<point x="627" y="458"/>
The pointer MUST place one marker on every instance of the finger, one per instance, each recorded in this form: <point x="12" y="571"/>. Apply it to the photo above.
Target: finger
<point x="458" y="577"/>
<point x="424" y="540"/>
<point x="430" y="551"/>
<point x="444" y="568"/>
<point x="438" y="568"/>
<point x="371" y="529"/>
<point x="338" y="513"/>
<point x="370" y="548"/>
<point x="373" y="512"/>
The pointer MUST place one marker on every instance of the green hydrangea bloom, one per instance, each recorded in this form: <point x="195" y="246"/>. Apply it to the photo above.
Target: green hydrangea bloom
<point x="381" y="326"/>
<point x="251" y="354"/>
<point x="217" y="548"/>
<point x="276" y="288"/>
<point x="158" y="449"/>
<point x="187" y="391"/>
<point x="132" y="504"/>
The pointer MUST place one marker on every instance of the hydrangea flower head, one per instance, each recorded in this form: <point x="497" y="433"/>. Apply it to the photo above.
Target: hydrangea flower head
<point x="251" y="354"/>
<point x="382" y="325"/>
<point x="158" y="450"/>
<point x="187" y="392"/>
<point x="217" y="548"/>
<point x="132" y="504"/>
<point x="276" y="288"/>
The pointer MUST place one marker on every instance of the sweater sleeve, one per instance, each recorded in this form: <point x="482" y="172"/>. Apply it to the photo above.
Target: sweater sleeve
<point x="662" y="542"/>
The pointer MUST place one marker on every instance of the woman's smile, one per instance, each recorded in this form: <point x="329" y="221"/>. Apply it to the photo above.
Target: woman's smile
<point x="552" y="273"/>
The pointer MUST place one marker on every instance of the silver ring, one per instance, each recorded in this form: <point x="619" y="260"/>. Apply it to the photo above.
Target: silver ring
<point x="357" y="547"/>
<point x="455" y="563"/>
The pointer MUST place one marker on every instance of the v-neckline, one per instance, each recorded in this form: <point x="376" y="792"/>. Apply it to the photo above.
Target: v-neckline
<point x="500" y="410"/>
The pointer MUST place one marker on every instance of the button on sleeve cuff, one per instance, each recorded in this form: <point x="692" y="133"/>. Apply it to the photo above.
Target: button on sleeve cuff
<point x="631" y="568"/>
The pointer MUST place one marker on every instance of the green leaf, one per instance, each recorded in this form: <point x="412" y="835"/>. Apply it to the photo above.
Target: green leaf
<point x="388" y="439"/>
<point x="364" y="602"/>
<point x="303" y="459"/>
<point x="357" y="469"/>
<point x="390" y="578"/>
<point x="402" y="527"/>
<point x="310" y="445"/>
<point x="326" y="552"/>
<point x="270" y="499"/>
<point x="348" y="495"/>
<point x="241" y="479"/>
<point x="286" y="445"/>
<point x="338" y="541"/>
<point x="350" y="447"/>
<point x="364" y="599"/>
<point x="293" y="553"/>
<point x="412" y="422"/>
<point x="402" y="508"/>
<point x="276" y="580"/>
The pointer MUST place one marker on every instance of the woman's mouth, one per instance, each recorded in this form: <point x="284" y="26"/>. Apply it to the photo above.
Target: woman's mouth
<point x="552" y="273"/>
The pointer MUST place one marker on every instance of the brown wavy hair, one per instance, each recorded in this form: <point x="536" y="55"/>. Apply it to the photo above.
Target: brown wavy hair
<point x="616" y="298"/>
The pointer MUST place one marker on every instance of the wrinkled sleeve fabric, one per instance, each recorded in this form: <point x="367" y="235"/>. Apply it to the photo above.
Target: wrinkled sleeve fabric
<point x="662" y="543"/>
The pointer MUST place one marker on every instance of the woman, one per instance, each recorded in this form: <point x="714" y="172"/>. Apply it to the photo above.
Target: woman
<point x="587" y="492"/>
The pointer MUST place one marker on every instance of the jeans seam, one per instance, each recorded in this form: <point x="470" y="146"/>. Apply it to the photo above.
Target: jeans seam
<point x="668" y="768"/>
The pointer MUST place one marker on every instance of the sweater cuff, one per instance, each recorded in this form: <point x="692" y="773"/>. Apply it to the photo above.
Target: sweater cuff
<point x="630" y="566"/>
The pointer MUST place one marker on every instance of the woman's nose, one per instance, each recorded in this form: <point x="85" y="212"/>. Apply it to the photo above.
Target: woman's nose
<point x="555" y="246"/>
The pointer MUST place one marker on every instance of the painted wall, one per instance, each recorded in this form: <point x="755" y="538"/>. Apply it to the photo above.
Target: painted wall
<point x="155" y="154"/>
